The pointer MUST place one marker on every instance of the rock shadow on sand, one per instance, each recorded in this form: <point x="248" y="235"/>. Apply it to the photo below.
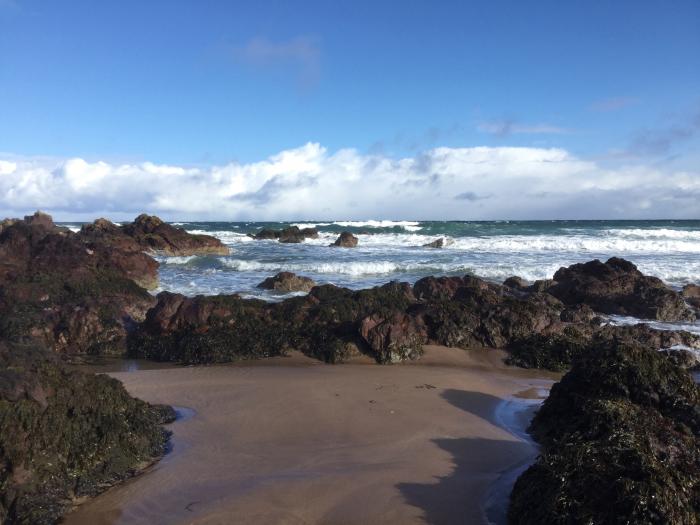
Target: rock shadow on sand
<point x="458" y="498"/>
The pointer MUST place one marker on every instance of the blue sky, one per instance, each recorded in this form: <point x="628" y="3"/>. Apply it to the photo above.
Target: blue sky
<point x="199" y="84"/>
<point x="177" y="81"/>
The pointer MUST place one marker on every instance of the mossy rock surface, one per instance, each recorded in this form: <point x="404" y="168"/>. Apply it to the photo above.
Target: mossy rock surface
<point x="65" y="434"/>
<point x="620" y="438"/>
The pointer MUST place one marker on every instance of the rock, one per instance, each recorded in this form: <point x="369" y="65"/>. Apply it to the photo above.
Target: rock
<point x="288" y="282"/>
<point x="691" y="294"/>
<point x="293" y="234"/>
<point x="542" y="285"/>
<point x="346" y="240"/>
<point x="66" y="294"/>
<point x="515" y="282"/>
<point x="618" y="287"/>
<point x="158" y="237"/>
<point x="683" y="358"/>
<point x="394" y="339"/>
<point x="620" y="443"/>
<point x="439" y="243"/>
<point x="40" y="219"/>
<point x="67" y="435"/>
<point x="580" y="313"/>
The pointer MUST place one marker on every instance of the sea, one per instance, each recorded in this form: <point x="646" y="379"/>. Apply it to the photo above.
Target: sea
<point x="394" y="250"/>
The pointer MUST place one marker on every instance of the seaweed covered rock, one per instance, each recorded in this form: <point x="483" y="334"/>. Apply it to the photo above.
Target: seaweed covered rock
<point x="65" y="435"/>
<point x="287" y="282"/>
<point x="66" y="294"/>
<point x="618" y="287"/>
<point x="557" y="350"/>
<point x="346" y="240"/>
<point x="149" y="233"/>
<point x="621" y="443"/>
<point x="323" y="324"/>
<point x="292" y="234"/>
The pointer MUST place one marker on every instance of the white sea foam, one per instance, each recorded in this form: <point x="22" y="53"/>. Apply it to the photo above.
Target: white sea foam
<point x="225" y="236"/>
<point x="621" y="320"/>
<point x="179" y="259"/>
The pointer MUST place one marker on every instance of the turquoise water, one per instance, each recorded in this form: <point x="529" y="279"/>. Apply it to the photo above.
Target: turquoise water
<point x="393" y="250"/>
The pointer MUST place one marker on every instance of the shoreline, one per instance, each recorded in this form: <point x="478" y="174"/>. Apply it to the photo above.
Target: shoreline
<point x="332" y="435"/>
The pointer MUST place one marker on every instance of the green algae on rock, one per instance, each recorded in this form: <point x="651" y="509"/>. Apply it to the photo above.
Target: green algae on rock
<point x="621" y="443"/>
<point x="65" y="435"/>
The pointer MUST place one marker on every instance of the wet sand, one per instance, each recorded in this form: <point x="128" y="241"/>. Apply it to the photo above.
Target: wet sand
<point x="294" y="441"/>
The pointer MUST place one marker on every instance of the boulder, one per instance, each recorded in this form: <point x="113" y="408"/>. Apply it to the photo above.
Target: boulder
<point x="287" y="282"/>
<point x="396" y="338"/>
<point x="439" y="243"/>
<point x="691" y="294"/>
<point x="618" y="287"/>
<point x="292" y="234"/>
<point x="346" y="240"/>
<point x="515" y="282"/>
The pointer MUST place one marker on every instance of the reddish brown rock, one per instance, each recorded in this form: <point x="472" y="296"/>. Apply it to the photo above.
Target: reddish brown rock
<point x="287" y="282"/>
<point x="691" y="293"/>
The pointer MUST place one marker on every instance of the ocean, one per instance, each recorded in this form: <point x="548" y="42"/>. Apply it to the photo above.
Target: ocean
<point x="393" y="250"/>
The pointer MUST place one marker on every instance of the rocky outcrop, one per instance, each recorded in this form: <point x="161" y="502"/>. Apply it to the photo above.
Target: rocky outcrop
<point x="620" y="438"/>
<point x="439" y="243"/>
<point x="151" y="234"/>
<point x="67" y="294"/>
<point x="65" y="435"/>
<point x="389" y="323"/>
<point x="293" y="234"/>
<point x="287" y="282"/>
<point x="346" y="240"/>
<point x="618" y="287"/>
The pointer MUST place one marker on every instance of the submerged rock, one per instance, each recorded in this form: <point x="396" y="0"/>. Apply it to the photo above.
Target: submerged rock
<point x="620" y="438"/>
<point x="618" y="287"/>
<point x="287" y="282"/>
<point x="65" y="435"/>
<point x="439" y="243"/>
<point x="346" y="240"/>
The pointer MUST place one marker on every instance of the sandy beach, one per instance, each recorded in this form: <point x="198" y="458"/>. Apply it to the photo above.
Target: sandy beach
<point x="292" y="440"/>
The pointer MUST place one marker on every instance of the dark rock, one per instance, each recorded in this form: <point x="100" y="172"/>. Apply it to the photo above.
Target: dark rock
<point x="617" y="287"/>
<point x="293" y="234"/>
<point x="620" y="438"/>
<point x="691" y="293"/>
<point x="66" y="435"/>
<point x="516" y="282"/>
<point x="542" y="285"/>
<point x="346" y="240"/>
<point x="580" y="313"/>
<point x="287" y="282"/>
<point x="439" y="243"/>
<point x="683" y="358"/>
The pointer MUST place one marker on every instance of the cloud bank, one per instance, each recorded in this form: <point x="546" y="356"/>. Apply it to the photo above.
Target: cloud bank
<point x="311" y="182"/>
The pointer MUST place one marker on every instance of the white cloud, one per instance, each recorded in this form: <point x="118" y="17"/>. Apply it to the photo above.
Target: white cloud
<point x="310" y="182"/>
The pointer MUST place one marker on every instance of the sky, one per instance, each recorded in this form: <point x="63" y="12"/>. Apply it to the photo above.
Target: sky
<point x="350" y="109"/>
